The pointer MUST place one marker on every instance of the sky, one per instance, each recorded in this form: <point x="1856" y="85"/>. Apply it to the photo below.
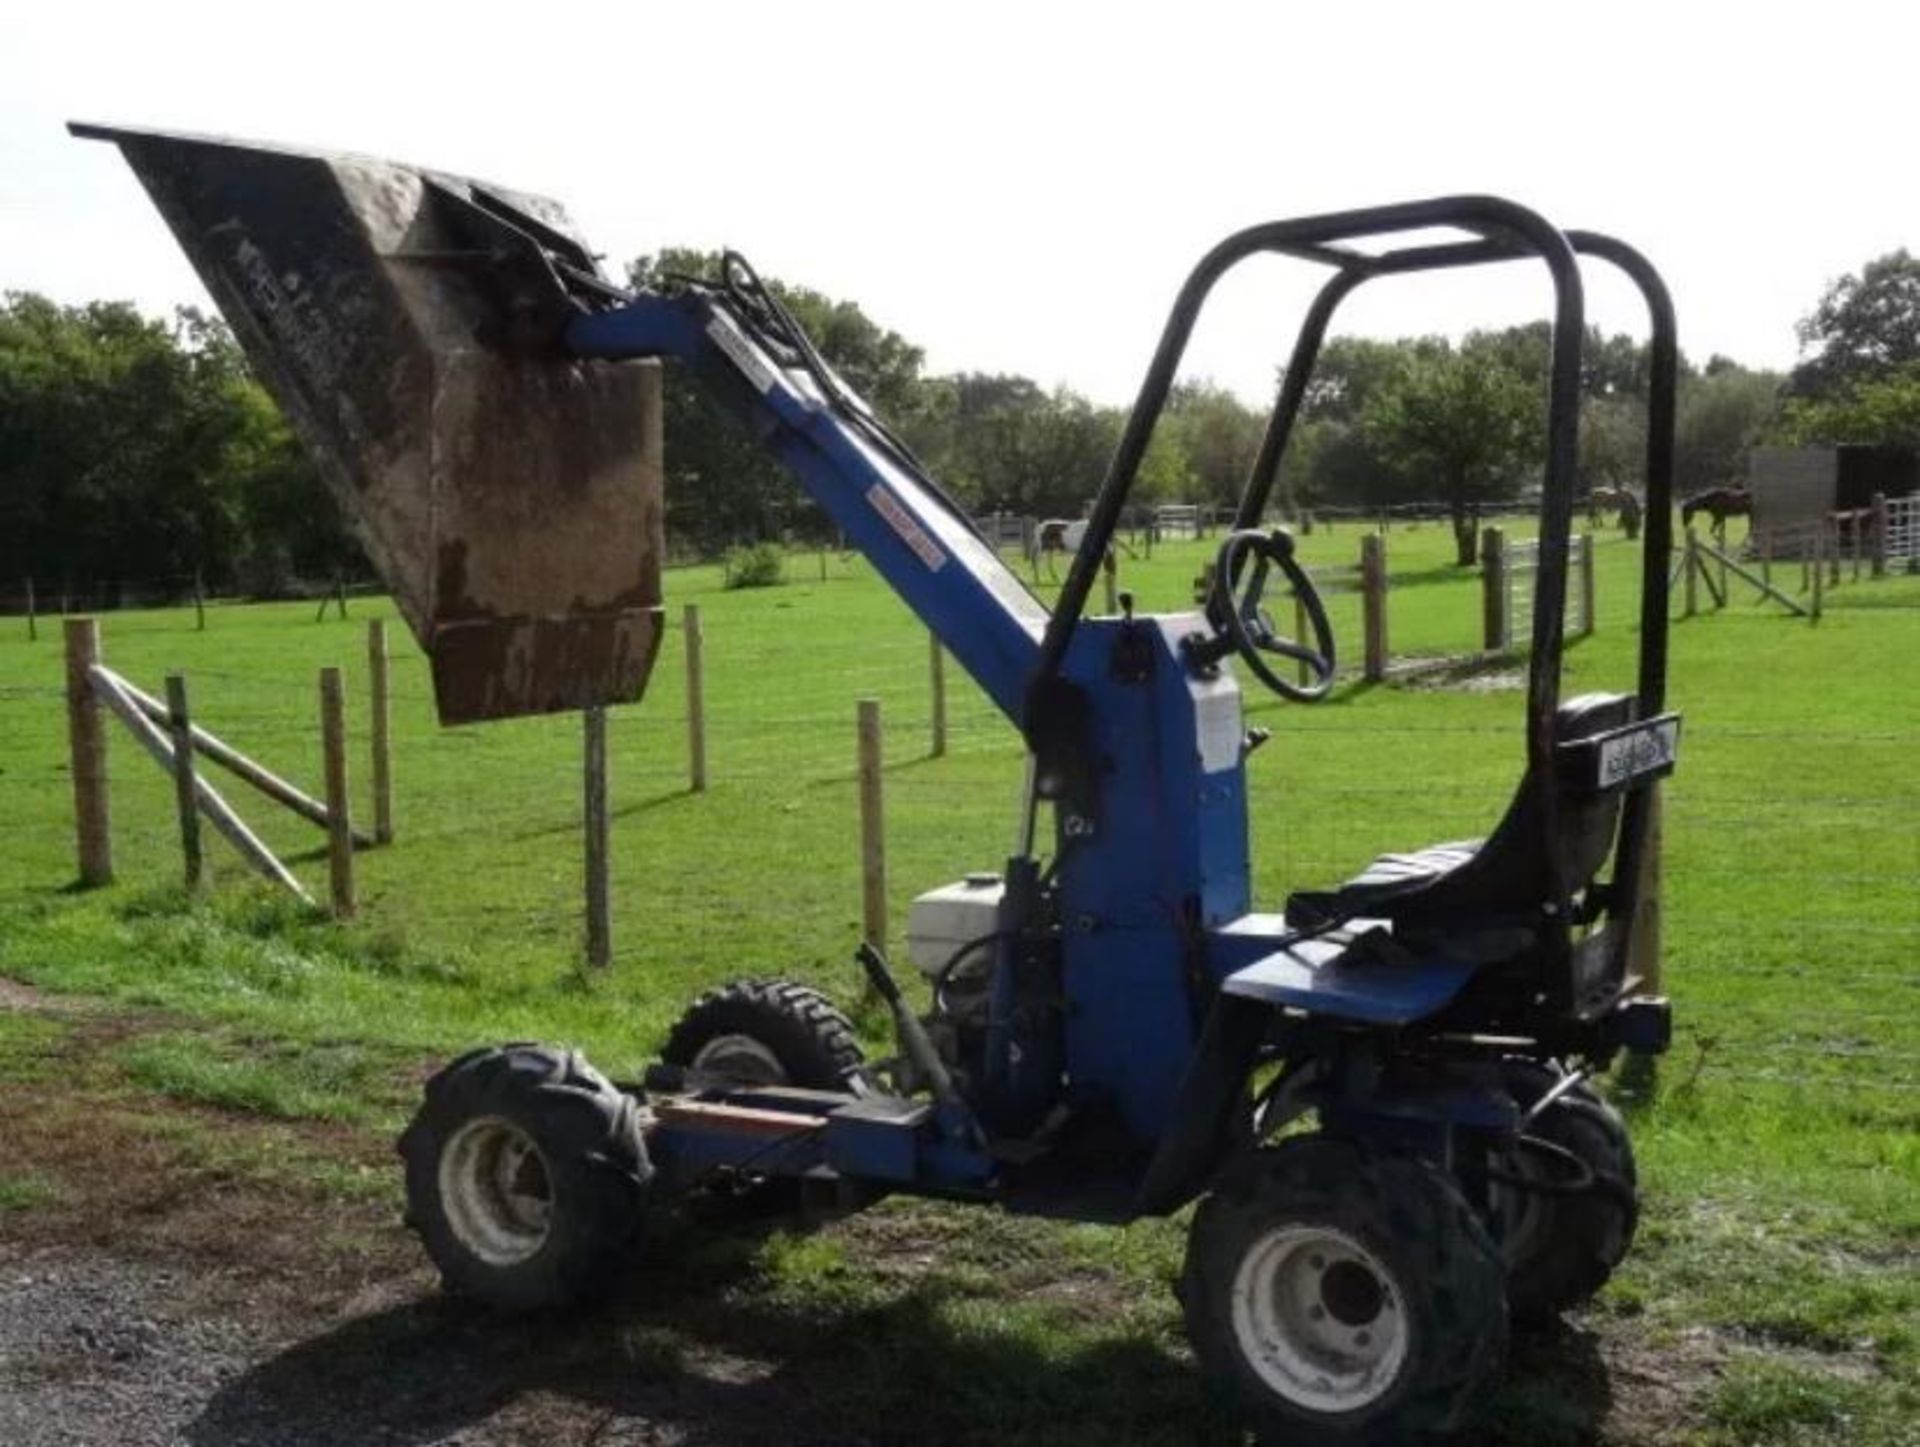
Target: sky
<point x="1023" y="187"/>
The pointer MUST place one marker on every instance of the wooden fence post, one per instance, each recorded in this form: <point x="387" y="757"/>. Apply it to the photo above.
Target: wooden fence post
<point x="1880" y="521"/>
<point x="380" y="706"/>
<point x="33" y="623"/>
<point x="599" y="904"/>
<point x="1833" y="555"/>
<point x="185" y="793"/>
<point x="139" y="712"/>
<point x="1692" y="576"/>
<point x="1493" y="589"/>
<point x="1373" y="604"/>
<point x="333" y="742"/>
<point x="937" y="676"/>
<point x="873" y="839"/>
<point x="696" y="701"/>
<point x="199" y="603"/>
<point x="1645" y="959"/>
<point x="1586" y="585"/>
<point x="1819" y="568"/>
<point x="87" y="742"/>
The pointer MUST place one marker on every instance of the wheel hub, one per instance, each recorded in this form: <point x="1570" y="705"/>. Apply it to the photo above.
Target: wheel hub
<point x="741" y="1058"/>
<point x="496" y="1191"/>
<point x="1320" y="1319"/>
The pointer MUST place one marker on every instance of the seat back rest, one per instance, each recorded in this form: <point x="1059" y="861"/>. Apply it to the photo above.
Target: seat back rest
<point x="1589" y="821"/>
<point x="1507" y="876"/>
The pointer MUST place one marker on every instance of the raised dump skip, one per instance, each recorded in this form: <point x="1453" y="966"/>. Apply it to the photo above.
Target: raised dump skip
<point x="510" y="497"/>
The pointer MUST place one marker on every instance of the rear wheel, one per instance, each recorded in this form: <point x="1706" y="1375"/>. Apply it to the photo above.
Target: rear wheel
<point x="1566" y="1208"/>
<point x="526" y="1176"/>
<point x="769" y="1032"/>
<point x="1343" y="1297"/>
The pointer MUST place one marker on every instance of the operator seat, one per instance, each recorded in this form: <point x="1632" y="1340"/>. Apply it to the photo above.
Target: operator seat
<point x="1501" y="879"/>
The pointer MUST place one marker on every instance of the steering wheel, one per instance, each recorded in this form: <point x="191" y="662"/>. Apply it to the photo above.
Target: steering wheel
<point x="1236" y="611"/>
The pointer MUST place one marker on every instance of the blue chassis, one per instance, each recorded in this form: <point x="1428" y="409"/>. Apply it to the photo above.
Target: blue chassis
<point x="1153" y="889"/>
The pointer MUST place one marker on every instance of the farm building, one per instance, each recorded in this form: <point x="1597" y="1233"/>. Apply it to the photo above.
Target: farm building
<point x="1795" y="488"/>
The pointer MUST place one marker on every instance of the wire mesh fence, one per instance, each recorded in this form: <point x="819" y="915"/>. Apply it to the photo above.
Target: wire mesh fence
<point x="1794" y="916"/>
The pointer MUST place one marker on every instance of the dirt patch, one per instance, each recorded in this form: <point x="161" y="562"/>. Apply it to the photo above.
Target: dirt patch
<point x="16" y="996"/>
<point x="1462" y="676"/>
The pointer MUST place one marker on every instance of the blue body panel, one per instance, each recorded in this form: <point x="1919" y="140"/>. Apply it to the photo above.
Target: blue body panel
<point x="1166" y="861"/>
<point x="1319" y="976"/>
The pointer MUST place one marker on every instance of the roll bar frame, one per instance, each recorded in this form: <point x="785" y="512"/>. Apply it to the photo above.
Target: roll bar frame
<point x="1502" y="231"/>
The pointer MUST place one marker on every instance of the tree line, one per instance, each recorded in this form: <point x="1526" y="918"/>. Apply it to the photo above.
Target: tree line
<point x="143" y="450"/>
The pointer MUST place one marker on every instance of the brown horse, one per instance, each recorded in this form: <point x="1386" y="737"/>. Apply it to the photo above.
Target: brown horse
<point x="1719" y="504"/>
<point x="1611" y="499"/>
<point x="1058" y="537"/>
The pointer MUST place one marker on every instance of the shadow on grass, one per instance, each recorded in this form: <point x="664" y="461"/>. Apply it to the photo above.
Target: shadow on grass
<point x="844" y="778"/>
<point x="697" y="1349"/>
<point x="695" y="1360"/>
<point x="622" y="811"/>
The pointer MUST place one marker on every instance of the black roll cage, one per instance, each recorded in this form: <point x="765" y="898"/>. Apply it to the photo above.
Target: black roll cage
<point x="1502" y="231"/>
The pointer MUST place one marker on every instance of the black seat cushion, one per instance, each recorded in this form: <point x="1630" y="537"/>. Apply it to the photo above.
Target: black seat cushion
<point x="1370" y="893"/>
<point x="1476" y="881"/>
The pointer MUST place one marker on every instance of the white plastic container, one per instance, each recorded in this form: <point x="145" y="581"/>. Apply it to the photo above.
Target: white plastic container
<point x="943" y="920"/>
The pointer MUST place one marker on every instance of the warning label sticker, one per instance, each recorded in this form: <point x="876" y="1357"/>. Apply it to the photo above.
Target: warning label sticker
<point x="1216" y="716"/>
<point x="741" y="352"/>
<point x="910" y="531"/>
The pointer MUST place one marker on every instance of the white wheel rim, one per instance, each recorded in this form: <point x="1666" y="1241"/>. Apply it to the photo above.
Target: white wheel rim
<point x="741" y="1058"/>
<point x="496" y="1191"/>
<point x="1319" y="1319"/>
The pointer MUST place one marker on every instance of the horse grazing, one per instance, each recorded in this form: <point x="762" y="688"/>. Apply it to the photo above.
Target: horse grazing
<point x="1054" y="537"/>
<point x="1622" y="500"/>
<point x="1719" y="504"/>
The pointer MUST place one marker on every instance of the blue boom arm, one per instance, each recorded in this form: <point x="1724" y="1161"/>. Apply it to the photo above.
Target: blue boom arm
<point x="928" y="553"/>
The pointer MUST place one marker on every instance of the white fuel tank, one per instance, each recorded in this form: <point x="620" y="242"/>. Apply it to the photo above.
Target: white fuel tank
<point x="944" y="920"/>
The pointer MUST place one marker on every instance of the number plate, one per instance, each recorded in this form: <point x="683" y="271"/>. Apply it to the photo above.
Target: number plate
<point x="1638" y="751"/>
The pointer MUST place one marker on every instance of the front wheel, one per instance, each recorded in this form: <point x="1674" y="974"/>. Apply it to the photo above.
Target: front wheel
<point x="1343" y="1297"/>
<point x="526" y="1176"/>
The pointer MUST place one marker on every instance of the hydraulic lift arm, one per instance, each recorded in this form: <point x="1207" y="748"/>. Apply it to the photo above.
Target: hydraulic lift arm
<point x="887" y="507"/>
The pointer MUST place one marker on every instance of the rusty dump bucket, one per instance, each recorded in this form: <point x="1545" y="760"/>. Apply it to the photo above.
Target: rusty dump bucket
<point x="405" y="320"/>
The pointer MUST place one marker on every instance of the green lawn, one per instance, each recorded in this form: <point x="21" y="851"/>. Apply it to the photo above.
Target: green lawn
<point x="1780" y="1145"/>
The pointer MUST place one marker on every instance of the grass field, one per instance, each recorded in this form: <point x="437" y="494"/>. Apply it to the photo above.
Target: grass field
<point x="1775" y="1293"/>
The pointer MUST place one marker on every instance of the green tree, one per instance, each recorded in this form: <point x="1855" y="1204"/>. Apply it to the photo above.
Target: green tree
<point x="1332" y="458"/>
<point x="1465" y="425"/>
<point x="1220" y="436"/>
<point x="1882" y="410"/>
<point x="1723" y="412"/>
<point x="723" y="486"/>
<point x="129" y="446"/>
<point x="1612" y="442"/>
<point x="1862" y="326"/>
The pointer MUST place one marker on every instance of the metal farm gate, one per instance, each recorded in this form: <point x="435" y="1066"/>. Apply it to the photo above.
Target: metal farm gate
<point x="1903" y="530"/>
<point x="1521" y="565"/>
